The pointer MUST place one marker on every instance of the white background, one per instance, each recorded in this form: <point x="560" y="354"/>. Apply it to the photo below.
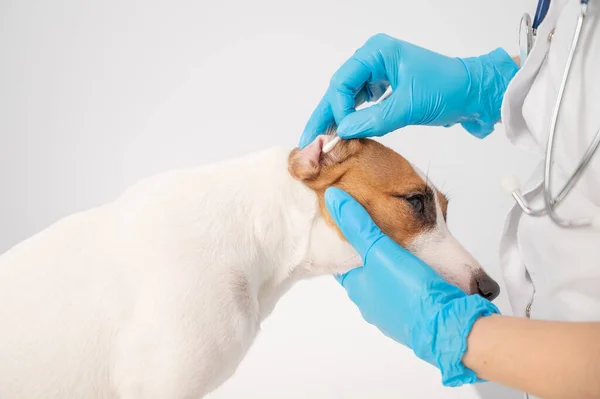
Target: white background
<point x="95" y="95"/>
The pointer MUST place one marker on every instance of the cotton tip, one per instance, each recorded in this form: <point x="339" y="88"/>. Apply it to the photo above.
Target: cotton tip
<point x="511" y="184"/>
<point x="329" y="146"/>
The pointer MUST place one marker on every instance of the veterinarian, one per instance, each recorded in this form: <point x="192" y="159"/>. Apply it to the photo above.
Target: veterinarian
<point x="550" y="348"/>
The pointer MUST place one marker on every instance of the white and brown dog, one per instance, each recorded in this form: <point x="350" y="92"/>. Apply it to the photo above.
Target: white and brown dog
<point x="160" y="293"/>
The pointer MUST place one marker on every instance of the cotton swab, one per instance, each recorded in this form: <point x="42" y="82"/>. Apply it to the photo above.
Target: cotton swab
<point x="330" y="145"/>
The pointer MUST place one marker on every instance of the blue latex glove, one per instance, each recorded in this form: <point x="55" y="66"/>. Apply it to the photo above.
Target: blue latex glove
<point x="428" y="89"/>
<point x="404" y="297"/>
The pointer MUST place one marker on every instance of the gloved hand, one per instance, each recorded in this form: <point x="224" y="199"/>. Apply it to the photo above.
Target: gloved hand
<point x="428" y="89"/>
<point x="405" y="298"/>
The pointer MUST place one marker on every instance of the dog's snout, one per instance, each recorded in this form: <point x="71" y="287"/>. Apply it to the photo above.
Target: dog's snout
<point x="487" y="287"/>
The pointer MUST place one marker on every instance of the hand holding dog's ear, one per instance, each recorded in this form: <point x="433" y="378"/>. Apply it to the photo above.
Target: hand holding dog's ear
<point x="428" y="89"/>
<point x="404" y="297"/>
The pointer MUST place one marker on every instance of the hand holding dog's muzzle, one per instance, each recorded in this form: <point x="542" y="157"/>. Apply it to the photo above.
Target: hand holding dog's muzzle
<point x="404" y="297"/>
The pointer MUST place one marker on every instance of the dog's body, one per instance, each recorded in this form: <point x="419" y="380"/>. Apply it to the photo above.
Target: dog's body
<point x="160" y="293"/>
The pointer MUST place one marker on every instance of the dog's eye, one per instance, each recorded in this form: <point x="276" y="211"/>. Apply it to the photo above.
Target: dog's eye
<point x="416" y="201"/>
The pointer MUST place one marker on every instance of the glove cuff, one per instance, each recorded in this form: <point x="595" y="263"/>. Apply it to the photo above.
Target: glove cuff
<point x="450" y="323"/>
<point x="489" y="77"/>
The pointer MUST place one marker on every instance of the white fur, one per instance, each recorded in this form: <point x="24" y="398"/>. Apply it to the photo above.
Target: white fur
<point x="160" y="293"/>
<point x="442" y="251"/>
<point x="439" y="249"/>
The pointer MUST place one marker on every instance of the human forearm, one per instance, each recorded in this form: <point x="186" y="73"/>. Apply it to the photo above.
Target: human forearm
<point x="412" y="304"/>
<point x="548" y="359"/>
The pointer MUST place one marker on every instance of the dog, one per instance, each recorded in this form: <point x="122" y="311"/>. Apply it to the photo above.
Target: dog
<point x="160" y="293"/>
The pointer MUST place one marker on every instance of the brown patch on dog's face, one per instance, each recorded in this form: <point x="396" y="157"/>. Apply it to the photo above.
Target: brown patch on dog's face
<point x="393" y="193"/>
<point x="398" y="198"/>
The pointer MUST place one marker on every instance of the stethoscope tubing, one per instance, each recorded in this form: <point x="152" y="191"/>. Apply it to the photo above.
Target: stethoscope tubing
<point x="551" y="203"/>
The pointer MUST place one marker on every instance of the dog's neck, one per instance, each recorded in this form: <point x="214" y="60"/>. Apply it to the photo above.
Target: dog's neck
<point x="296" y="241"/>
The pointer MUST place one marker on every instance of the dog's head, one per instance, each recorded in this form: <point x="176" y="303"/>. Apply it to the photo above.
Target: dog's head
<point x="399" y="198"/>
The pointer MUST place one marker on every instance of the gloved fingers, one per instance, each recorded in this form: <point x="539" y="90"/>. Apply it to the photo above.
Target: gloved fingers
<point x="376" y="120"/>
<point x="385" y="255"/>
<point x="355" y="282"/>
<point x="353" y="220"/>
<point x="391" y="260"/>
<point x="322" y="117"/>
<point x="372" y="91"/>
<point x="478" y="129"/>
<point x="345" y="85"/>
<point x="320" y="120"/>
<point x="363" y="77"/>
<point x="346" y="279"/>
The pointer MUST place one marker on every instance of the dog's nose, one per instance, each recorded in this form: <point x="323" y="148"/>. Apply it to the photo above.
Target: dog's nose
<point x="487" y="288"/>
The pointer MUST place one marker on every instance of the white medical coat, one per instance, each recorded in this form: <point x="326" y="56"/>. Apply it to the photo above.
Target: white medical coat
<point x="553" y="273"/>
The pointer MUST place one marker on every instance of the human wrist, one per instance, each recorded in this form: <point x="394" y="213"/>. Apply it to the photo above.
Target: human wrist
<point x="489" y="77"/>
<point x="478" y="342"/>
<point x="454" y="319"/>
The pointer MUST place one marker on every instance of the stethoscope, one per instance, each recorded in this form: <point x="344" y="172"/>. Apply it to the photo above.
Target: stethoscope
<point x="527" y="34"/>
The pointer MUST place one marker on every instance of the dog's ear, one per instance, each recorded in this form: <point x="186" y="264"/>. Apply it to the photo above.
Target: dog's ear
<point x="306" y="163"/>
<point x="315" y="168"/>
